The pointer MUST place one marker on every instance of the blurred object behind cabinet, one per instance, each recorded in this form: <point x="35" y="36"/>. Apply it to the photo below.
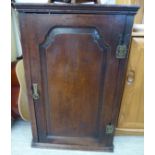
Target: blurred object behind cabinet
<point x="131" y="117"/>
<point x="140" y="15"/>
<point x="22" y="99"/>
<point x="14" y="92"/>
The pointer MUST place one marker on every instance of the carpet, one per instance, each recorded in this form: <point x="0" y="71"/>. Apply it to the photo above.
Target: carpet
<point x="21" y="144"/>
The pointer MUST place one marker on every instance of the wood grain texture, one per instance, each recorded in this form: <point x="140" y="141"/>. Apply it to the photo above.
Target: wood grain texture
<point x="72" y="58"/>
<point x="140" y="15"/>
<point x="139" y="18"/>
<point x="73" y="147"/>
<point x="73" y="79"/>
<point x="76" y="9"/>
<point x="131" y="118"/>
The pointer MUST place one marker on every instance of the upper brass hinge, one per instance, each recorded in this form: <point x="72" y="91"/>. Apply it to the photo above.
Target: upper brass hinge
<point x="109" y="129"/>
<point x="122" y="48"/>
<point x="121" y="51"/>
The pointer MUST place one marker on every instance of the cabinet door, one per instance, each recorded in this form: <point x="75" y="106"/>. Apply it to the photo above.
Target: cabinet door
<point x="131" y="118"/>
<point x="72" y="59"/>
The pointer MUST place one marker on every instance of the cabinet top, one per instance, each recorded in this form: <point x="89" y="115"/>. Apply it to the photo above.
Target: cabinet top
<point x="75" y="8"/>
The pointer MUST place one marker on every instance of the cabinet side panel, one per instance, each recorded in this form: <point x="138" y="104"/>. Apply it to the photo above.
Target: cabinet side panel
<point x="26" y="57"/>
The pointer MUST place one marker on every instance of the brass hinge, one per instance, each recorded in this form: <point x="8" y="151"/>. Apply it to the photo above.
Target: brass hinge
<point x="35" y="93"/>
<point x="109" y="129"/>
<point x="121" y="51"/>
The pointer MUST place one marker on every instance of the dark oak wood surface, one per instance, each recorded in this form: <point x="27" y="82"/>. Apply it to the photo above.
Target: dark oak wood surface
<point x="71" y="55"/>
<point x="75" y="8"/>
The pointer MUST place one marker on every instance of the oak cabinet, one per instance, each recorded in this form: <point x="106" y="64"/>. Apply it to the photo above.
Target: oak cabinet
<point x="131" y="117"/>
<point x="75" y="59"/>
